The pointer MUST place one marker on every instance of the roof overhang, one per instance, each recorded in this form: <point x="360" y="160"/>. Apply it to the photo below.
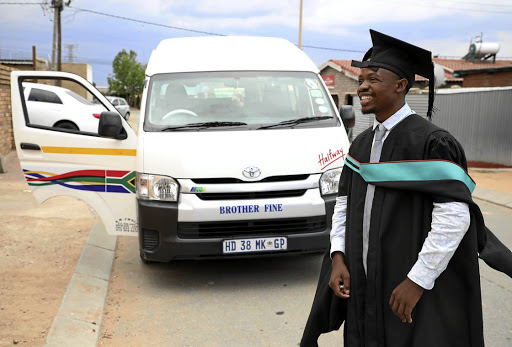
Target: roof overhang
<point x="488" y="70"/>
<point x="331" y="65"/>
<point x="337" y="68"/>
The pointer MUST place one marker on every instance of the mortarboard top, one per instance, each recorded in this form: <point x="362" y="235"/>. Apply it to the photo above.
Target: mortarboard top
<point x="402" y="58"/>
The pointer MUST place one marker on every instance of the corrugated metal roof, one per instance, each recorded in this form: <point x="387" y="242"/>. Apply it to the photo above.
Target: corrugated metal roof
<point x="16" y="62"/>
<point x="470" y="90"/>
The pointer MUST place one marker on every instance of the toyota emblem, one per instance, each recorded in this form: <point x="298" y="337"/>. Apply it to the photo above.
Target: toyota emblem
<point x="251" y="172"/>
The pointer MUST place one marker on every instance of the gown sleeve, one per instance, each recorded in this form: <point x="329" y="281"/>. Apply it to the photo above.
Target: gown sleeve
<point x="442" y="145"/>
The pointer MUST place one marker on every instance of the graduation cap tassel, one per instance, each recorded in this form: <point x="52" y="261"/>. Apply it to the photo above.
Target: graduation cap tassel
<point x="431" y="92"/>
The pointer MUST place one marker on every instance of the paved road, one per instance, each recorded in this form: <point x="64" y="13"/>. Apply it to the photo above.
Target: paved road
<point x="252" y="302"/>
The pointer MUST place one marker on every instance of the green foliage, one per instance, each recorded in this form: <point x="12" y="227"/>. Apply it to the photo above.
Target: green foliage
<point x="128" y="78"/>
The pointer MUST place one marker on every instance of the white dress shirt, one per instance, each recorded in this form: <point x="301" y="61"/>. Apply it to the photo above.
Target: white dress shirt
<point x="450" y="221"/>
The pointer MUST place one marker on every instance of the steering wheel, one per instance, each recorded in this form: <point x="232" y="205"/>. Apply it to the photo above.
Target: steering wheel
<point x="179" y="111"/>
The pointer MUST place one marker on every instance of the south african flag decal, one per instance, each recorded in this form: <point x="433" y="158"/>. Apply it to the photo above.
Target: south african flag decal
<point x="109" y="181"/>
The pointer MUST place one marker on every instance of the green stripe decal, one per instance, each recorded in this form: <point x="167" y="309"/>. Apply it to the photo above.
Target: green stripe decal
<point x="427" y="170"/>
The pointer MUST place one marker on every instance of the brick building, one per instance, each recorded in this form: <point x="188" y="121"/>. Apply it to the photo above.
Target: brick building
<point x="484" y="73"/>
<point x="6" y="133"/>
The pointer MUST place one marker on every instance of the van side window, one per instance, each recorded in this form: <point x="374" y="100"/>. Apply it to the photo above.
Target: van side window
<point x="43" y="96"/>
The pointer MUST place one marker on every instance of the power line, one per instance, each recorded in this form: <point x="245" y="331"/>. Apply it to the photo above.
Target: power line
<point x="459" y="8"/>
<point x="334" y="49"/>
<point x="23" y="3"/>
<point x="146" y="22"/>
<point x="195" y="31"/>
<point x="479" y="3"/>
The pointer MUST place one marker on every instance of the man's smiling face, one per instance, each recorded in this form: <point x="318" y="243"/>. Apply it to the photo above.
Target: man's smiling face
<point x="379" y="92"/>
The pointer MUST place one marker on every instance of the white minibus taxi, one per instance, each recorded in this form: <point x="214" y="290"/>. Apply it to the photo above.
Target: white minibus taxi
<point x="238" y="153"/>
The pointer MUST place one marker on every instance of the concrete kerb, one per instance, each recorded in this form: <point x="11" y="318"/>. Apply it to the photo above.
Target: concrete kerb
<point x="78" y="320"/>
<point x="493" y="196"/>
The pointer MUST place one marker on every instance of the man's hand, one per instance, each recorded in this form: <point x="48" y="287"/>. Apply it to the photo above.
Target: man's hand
<point x="404" y="298"/>
<point x="340" y="275"/>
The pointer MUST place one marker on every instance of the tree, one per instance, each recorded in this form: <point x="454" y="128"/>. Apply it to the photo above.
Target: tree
<point x="128" y="78"/>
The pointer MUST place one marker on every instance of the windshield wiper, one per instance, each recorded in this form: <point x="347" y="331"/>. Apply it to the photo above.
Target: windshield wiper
<point x="204" y="125"/>
<point x="292" y="122"/>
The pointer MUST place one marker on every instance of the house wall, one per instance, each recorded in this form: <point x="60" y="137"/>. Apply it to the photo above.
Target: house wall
<point x="81" y="69"/>
<point x="6" y="133"/>
<point x="343" y="85"/>
<point x="486" y="79"/>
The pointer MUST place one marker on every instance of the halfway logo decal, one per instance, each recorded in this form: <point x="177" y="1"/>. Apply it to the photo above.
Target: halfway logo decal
<point x="111" y="181"/>
<point x="330" y="157"/>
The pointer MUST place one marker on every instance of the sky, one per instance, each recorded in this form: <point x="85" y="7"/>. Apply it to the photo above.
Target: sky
<point x="331" y="29"/>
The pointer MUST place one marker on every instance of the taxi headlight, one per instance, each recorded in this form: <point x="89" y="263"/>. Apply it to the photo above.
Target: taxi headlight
<point x="329" y="181"/>
<point x="154" y="187"/>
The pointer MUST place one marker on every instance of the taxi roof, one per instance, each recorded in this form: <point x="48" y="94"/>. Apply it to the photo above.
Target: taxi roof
<point x="227" y="53"/>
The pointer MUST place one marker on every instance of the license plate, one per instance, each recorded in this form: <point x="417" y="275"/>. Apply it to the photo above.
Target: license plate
<point x="258" y="244"/>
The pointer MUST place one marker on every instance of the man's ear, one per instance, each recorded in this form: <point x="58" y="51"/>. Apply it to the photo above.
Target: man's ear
<point x="401" y="85"/>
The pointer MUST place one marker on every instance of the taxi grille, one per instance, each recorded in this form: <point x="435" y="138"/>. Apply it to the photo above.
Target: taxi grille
<point x="278" y="227"/>
<point x="252" y="195"/>
<point x="228" y="180"/>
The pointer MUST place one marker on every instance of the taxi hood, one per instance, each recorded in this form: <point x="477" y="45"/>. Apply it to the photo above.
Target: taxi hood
<point x="225" y="154"/>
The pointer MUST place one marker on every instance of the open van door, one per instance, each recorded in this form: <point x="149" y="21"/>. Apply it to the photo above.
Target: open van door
<point x="55" y="118"/>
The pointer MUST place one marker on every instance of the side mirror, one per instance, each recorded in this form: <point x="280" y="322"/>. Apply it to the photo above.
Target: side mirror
<point x="111" y="126"/>
<point x="348" y="116"/>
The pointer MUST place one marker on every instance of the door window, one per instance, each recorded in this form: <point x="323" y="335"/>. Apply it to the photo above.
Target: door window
<point x="61" y="105"/>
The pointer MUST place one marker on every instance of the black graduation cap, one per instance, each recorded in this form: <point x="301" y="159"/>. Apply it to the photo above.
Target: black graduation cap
<point x="403" y="59"/>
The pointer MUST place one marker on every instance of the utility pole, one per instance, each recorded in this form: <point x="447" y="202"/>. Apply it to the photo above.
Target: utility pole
<point x="55" y="32"/>
<point x="300" y="26"/>
<point x="58" y="7"/>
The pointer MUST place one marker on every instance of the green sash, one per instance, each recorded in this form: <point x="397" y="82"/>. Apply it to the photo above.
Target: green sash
<point x="411" y="170"/>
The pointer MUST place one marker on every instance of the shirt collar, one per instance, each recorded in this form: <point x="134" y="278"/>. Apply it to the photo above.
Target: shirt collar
<point x="392" y="121"/>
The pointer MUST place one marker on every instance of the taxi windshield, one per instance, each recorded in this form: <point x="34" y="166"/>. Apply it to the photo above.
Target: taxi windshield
<point x="245" y="100"/>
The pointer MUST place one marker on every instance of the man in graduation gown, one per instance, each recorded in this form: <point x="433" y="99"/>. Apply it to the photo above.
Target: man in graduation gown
<point x="405" y="246"/>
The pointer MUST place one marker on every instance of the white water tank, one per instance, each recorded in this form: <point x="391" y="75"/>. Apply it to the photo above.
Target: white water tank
<point x="485" y="48"/>
<point x="439" y="75"/>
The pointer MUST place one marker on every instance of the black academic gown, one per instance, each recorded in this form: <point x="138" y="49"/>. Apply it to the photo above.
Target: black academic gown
<point x="448" y="315"/>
